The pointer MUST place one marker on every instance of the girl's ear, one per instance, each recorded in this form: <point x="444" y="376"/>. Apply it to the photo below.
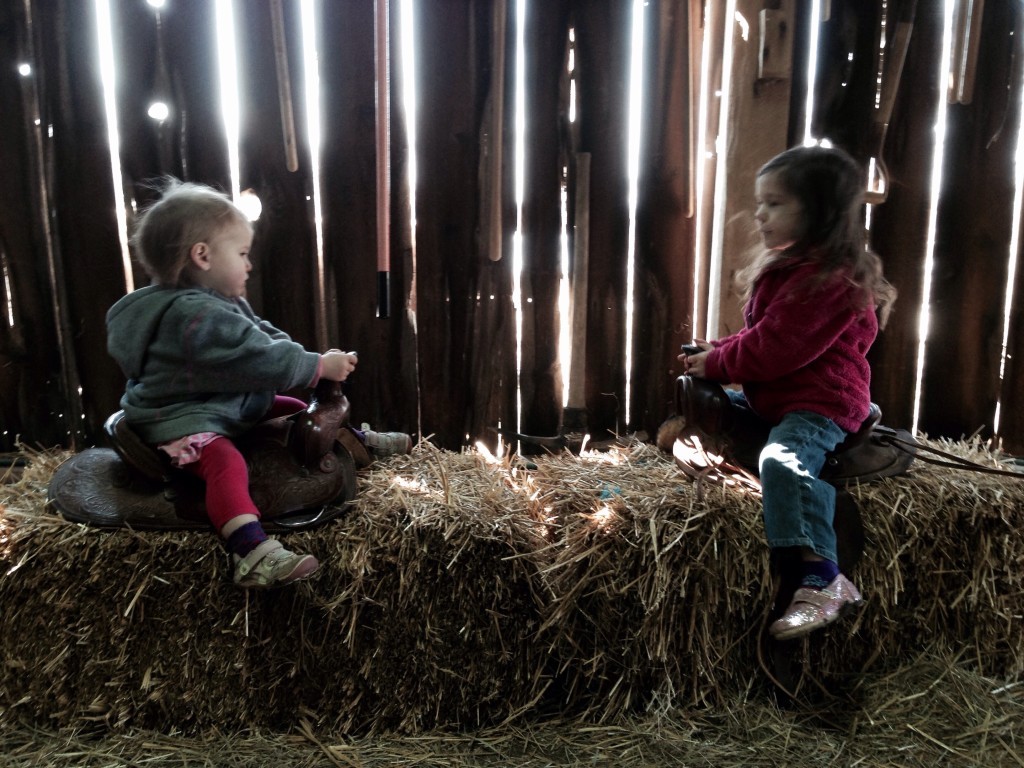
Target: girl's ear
<point x="199" y="254"/>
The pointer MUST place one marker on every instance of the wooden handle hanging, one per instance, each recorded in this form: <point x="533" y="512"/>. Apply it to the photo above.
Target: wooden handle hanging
<point x="284" y="87"/>
<point x="383" y="81"/>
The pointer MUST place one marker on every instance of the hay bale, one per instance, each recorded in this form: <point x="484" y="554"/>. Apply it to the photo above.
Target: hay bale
<point x="931" y="711"/>
<point x="461" y="591"/>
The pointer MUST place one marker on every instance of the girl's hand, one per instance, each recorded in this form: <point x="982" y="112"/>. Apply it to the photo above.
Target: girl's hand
<point x="336" y="365"/>
<point x="694" y="363"/>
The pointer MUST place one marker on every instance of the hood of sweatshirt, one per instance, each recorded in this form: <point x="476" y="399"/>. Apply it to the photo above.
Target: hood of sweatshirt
<point x="132" y="323"/>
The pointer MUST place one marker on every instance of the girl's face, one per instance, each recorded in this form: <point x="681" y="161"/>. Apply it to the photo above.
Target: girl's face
<point x="223" y="263"/>
<point x="780" y="215"/>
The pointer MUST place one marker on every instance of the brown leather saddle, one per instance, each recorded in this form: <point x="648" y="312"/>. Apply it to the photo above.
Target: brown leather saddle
<point x="870" y="453"/>
<point x="301" y="474"/>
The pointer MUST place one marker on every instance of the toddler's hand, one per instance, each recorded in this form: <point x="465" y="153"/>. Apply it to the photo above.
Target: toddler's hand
<point x="337" y="365"/>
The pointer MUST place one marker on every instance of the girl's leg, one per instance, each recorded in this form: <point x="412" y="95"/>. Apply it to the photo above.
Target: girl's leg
<point x="798" y="507"/>
<point x="798" y="513"/>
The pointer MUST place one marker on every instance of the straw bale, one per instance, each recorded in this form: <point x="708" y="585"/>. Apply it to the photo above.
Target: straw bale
<point x="461" y="591"/>
<point x="931" y="711"/>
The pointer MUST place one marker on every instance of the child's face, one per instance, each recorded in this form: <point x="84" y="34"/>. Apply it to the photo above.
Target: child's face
<point x="780" y="215"/>
<point x="224" y="264"/>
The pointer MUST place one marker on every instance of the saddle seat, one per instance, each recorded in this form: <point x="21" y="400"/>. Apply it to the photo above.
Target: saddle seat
<point x="733" y="431"/>
<point x="301" y="474"/>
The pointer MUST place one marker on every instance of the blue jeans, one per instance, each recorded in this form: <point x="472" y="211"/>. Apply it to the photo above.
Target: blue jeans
<point x="798" y="507"/>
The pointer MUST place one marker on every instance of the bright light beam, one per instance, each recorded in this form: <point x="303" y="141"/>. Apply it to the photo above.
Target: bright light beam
<point x="227" y="63"/>
<point x="311" y="72"/>
<point x="812" y="72"/>
<point x="108" y="77"/>
<point x="633" y="161"/>
<point x="520" y="187"/>
<point x="721" y="179"/>
<point x="703" y="158"/>
<point x="936" y="187"/>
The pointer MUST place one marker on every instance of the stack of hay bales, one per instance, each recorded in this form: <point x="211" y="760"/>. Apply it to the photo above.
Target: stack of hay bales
<point x="464" y="591"/>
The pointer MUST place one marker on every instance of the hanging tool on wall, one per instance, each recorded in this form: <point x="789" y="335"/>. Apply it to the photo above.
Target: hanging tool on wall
<point x="891" y="69"/>
<point x="492" y="138"/>
<point x="284" y="87"/>
<point x="382" y="60"/>
<point x="964" y="58"/>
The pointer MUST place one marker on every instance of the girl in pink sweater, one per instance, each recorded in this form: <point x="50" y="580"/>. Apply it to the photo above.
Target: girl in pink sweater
<point x="814" y="299"/>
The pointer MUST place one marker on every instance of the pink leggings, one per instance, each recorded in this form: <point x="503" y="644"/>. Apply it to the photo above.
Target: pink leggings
<point x="223" y="468"/>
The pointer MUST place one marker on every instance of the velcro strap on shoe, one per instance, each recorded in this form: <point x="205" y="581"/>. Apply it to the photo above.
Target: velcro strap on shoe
<point x="251" y="560"/>
<point x="811" y="596"/>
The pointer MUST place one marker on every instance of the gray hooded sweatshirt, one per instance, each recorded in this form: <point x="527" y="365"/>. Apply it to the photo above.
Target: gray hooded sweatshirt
<point x="197" y="361"/>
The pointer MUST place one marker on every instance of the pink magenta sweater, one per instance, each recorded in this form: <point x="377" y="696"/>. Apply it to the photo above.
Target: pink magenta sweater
<point x="803" y="347"/>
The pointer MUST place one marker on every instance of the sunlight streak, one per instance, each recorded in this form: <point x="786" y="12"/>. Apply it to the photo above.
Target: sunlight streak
<point x="933" y="212"/>
<point x="108" y="76"/>
<point x="636" y="81"/>
<point x="311" y="68"/>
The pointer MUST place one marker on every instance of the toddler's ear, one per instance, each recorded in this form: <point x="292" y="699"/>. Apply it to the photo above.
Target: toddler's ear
<point x="200" y="256"/>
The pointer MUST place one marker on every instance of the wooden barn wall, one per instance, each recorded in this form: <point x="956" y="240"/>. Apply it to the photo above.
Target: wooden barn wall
<point x="441" y="356"/>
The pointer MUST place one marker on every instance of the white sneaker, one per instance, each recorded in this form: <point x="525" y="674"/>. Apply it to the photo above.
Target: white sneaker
<point x="271" y="565"/>
<point x="386" y="443"/>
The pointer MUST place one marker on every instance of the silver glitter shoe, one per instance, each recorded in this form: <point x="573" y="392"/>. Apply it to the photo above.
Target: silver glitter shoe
<point x="813" y="609"/>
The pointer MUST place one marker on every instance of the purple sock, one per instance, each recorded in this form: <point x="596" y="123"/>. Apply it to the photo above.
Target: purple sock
<point x="246" y="538"/>
<point x="818" y="574"/>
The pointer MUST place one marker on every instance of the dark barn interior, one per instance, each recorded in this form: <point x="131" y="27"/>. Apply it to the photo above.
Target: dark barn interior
<point x="438" y="347"/>
<point x="516" y="211"/>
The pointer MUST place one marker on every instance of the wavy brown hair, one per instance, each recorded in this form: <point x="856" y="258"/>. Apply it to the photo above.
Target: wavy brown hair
<point x="830" y="187"/>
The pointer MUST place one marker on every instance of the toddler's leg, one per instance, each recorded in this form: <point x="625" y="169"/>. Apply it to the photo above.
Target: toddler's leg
<point x="259" y="560"/>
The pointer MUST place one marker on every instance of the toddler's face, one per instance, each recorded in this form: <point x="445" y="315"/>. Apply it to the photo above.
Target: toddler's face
<point x="780" y="215"/>
<point x="227" y="267"/>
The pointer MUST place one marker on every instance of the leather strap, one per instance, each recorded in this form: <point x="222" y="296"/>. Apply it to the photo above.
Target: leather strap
<point x="951" y="461"/>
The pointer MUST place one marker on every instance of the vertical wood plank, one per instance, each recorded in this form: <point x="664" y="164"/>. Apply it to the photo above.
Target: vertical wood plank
<point x="757" y="125"/>
<point x="665" y="255"/>
<point x="281" y="286"/>
<point x="493" y="399"/>
<point x="87" y="250"/>
<point x="148" y="149"/>
<point x="900" y="224"/>
<point x="452" y="50"/>
<point x="348" y="182"/>
<point x="379" y="391"/>
<point x="1011" y="392"/>
<point x="603" y="29"/>
<point x="191" y="41"/>
<point x="546" y="105"/>
<point x="972" y="242"/>
<point x="31" y="395"/>
<point x="846" y="78"/>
